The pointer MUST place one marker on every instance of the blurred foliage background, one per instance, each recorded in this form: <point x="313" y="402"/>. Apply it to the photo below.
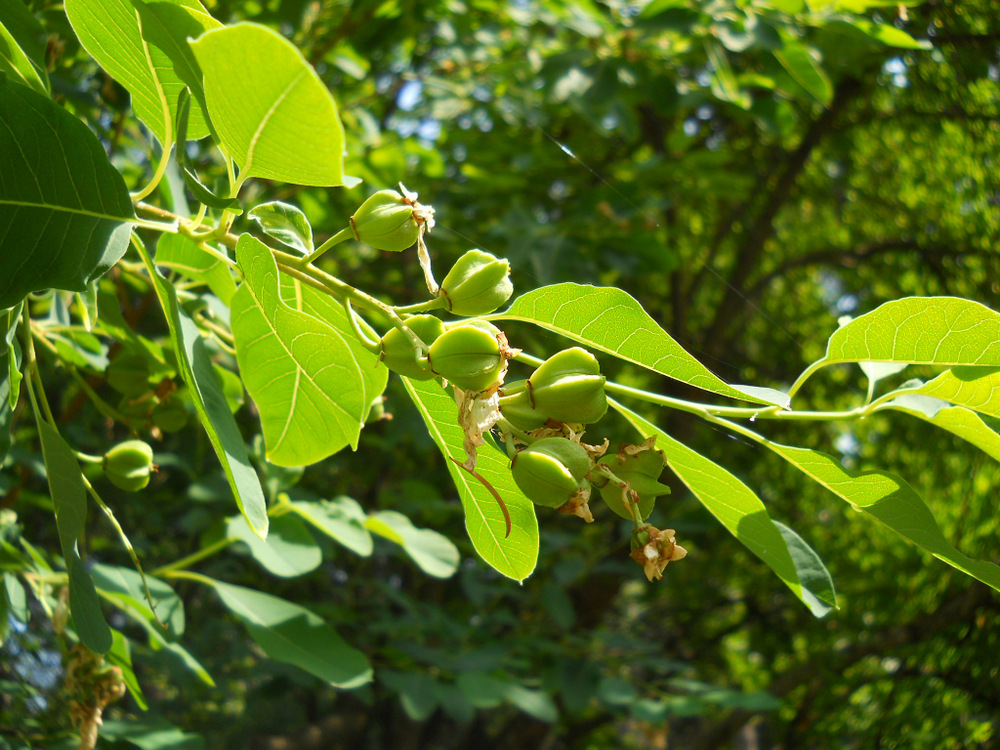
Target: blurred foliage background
<point x="748" y="197"/>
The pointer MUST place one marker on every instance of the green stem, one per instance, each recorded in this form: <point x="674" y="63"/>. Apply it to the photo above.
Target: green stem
<point x="347" y="233"/>
<point x="205" y="552"/>
<point x="190" y="576"/>
<point x="375" y="347"/>
<point x="438" y="303"/>
<point x="34" y="377"/>
<point x="806" y="374"/>
<point x="161" y="168"/>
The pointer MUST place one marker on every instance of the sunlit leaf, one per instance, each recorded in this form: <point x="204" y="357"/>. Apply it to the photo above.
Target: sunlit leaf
<point x="514" y="556"/>
<point x="957" y="420"/>
<point x="286" y="223"/>
<point x="22" y="46"/>
<point x="976" y="388"/>
<point x="801" y="66"/>
<point x="65" y="212"/>
<point x="180" y="254"/>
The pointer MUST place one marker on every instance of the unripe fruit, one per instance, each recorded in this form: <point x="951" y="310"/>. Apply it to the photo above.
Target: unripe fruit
<point x="552" y="471"/>
<point x="397" y="349"/>
<point x="518" y="411"/>
<point x="386" y="221"/>
<point x="642" y="472"/>
<point x="477" y="284"/>
<point x="468" y="356"/>
<point x="569" y="387"/>
<point x="128" y="464"/>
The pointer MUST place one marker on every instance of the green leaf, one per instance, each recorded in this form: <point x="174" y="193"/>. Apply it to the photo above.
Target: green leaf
<point x="123" y="586"/>
<point x="294" y="635"/>
<point x="178" y="253"/>
<point x="120" y="656"/>
<point x="10" y="374"/>
<point x="957" y="420"/>
<point x="889" y="499"/>
<point x="299" y="371"/>
<point x="271" y="111"/>
<point x="209" y="400"/>
<point x="65" y="218"/>
<point x="175" y="649"/>
<point x="201" y="193"/>
<point x="19" y="33"/>
<point x="976" y="388"/>
<point x="69" y="496"/>
<point x="16" y="597"/>
<point x="888" y="35"/>
<point x="150" y="733"/>
<point x="514" y="556"/>
<point x="535" y="703"/>
<point x="920" y="330"/>
<point x="803" y="68"/>
<point x="876" y="371"/>
<point x="342" y="519"/>
<point x="611" y="321"/>
<point x="432" y="552"/>
<point x="286" y="223"/>
<point x="111" y="32"/>
<point x="743" y="514"/>
<point x="289" y="549"/>
<point x="418" y="692"/>
<point x="325" y="308"/>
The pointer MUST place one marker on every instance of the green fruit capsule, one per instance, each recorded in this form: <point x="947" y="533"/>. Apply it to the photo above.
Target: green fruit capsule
<point x="477" y="284"/>
<point x="518" y="410"/>
<point x="642" y="472"/>
<point x="468" y="356"/>
<point x="552" y="471"/>
<point x="569" y="387"/>
<point x="397" y="349"/>
<point x="128" y="464"/>
<point x="386" y="221"/>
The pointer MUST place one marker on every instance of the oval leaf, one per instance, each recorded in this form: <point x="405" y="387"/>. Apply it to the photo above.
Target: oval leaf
<point x="271" y="111"/>
<point x="299" y="371"/>
<point x="434" y="553"/>
<point x="289" y="549"/>
<point x="612" y="321"/>
<point x="976" y="388"/>
<point x="65" y="212"/>
<point x="286" y="223"/>
<point x="342" y="519"/>
<point x="957" y="420"/>
<point x="798" y="61"/>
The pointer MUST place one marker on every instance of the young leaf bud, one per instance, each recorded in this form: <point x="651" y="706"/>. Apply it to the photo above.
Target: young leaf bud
<point x="641" y="473"/>
<point x="569" y="387"/>
<point x="477" y="284"/>
<point x="397" y="349"/>
<point x="390" y="220"/>
<point x="518" y="410"/>
<point x="468" y="356"/>
<point x="552" y="471"/>
<point x="128" y="464"/>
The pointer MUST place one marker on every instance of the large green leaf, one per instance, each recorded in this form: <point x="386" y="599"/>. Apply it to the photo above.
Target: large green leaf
<point x="294" y="635"/>
<point x="745" y="517"/>
<point x="957" y="420"/>
<point x="801" y="66"/>
<point x="323" y="307"/>
<point x="271" y="111"/>
<point x="69" y="497"/>
<point x="209" y="400"/>
<point x="610" y="320"/>
<point x="301" y="373"/>
<point x="124" y="587"/>
<point x="65" y="212"/>
<point x="111" y="31"/>
<point x="289" y="549"/>
<point x="178" y="253"/>
<point x="342" y="519"/>
<point x="22" y="46"/>
<point x="434" y="553"/>
<point x="889" y="499"/>
<point x="976" y="388"/>
<point x="514" y="556"/>
<point x="921" y="330"/>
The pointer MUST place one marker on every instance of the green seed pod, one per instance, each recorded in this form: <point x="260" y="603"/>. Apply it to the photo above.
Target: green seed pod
<point x="569" y="387"/>
<point x="642" y="472"/>
<point x="477" y="284"/>
<point x="518" y="411"/>
<point x="128" y="464"/>
<point x="468" y="356"/>
<point x="551" y="471"/>
<point x="397" y="349"/>
<point x="386" y="221"/>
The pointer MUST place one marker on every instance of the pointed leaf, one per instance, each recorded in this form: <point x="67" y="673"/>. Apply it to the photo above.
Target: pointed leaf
<point x="271" y="111"/>
<point x="14" y="60"/>
<point x="65" y="212"/>
<point x="957" y="420"/>
<point x="434" y="553"/>
<point x="111" y="32"/>
<point x="294" y="635"/>
<point x="289" y="549"/>
<point x="342" y="519"/>
<point x="921" y="330"/>
<point x="209" y="400"/>
<point x="744" y="515"/>
<point x="611" y="321"/>
<point x="976" y="388"/>
<point x="69" y="496"/>
<point x="286" y="223"/>
<point x="889" y="499"/>
<point x="30" y="37"/>
<point x="178" y="253"/>
<point x="299" y="371"/>
<point x="120" y="656"/>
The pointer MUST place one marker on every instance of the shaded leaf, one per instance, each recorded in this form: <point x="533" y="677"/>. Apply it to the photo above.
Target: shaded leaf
<point x="120" y="656"/>
<point x="976" y="388"/>
<point x="514" y="556"/>
<point x="124" y="587"/>
<point x="289" y="549"/>
<point x="180" y="254"/>
<point x="803" y="68"/>
<point x="198" y="189"/>
<point x="150" y="733"/>
<point x="22" y="46"/>
<point x="65" y="212"/>
<point x="342" y="519"/>
<point x="957" y="420"/>
<point x="434" y="553"/>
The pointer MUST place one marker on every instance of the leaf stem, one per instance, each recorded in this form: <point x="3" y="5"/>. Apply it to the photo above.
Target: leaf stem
<point x="344" y="234"/>
<point x="161" y="168"/>
<point x="167" y="571"/>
